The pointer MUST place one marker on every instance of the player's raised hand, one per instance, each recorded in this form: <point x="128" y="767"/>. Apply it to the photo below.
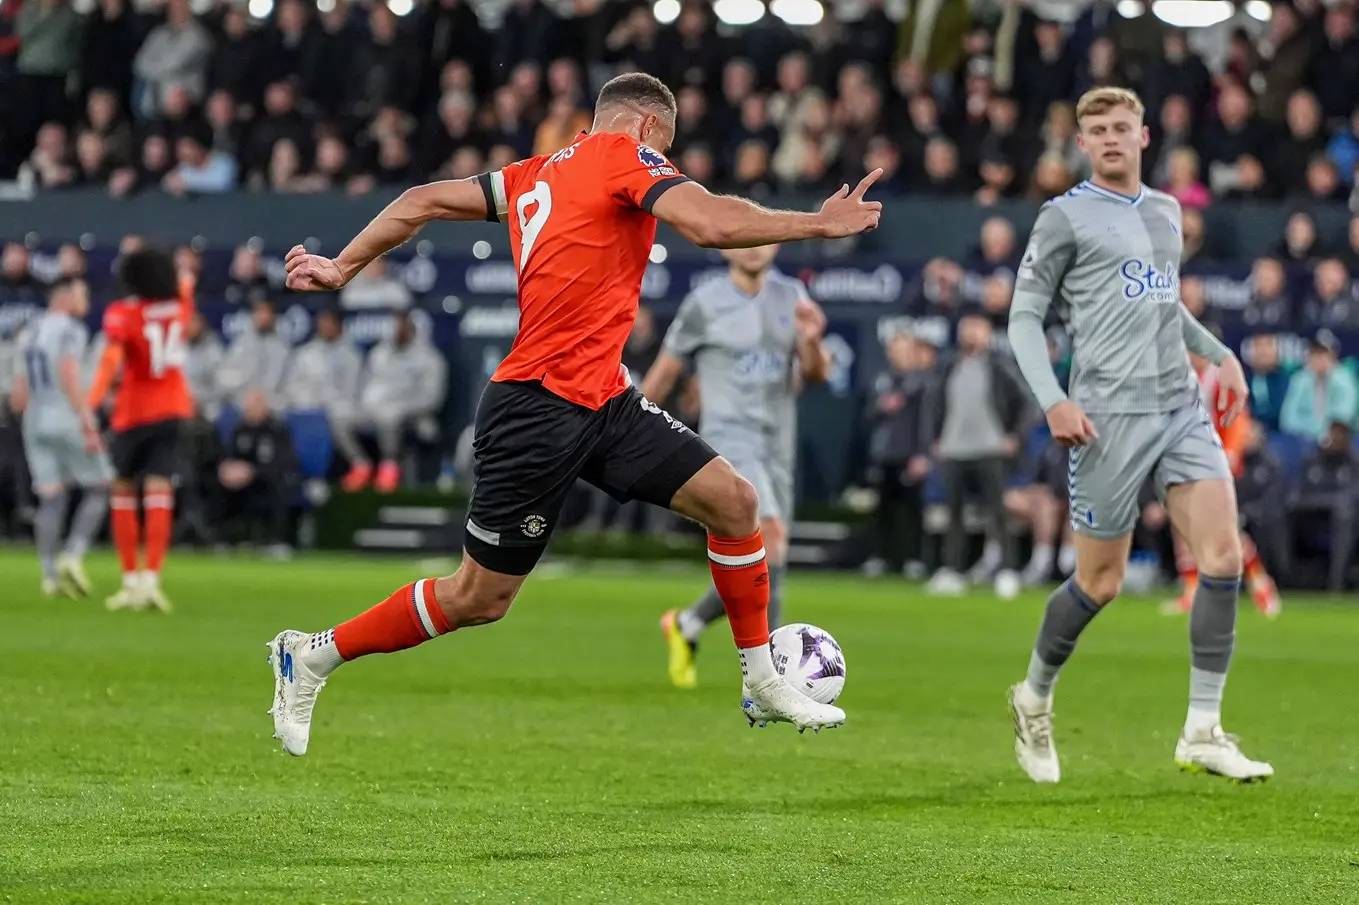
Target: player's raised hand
<point x="1232" y="389"/>
<point x="311" y="273"/>
<point x="847" y="213"/>
<point x="1069" y="425"/>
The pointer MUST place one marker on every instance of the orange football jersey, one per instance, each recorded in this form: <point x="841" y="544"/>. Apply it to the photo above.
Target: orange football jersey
<point x="581" y="230"/>
<point x="153" y="337"/>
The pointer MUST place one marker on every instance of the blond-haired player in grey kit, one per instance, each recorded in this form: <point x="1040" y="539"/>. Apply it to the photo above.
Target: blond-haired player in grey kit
<point x="1105" y="257"/>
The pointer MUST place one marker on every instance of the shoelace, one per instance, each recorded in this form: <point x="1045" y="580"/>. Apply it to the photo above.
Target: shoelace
<point x="305" y="699"/>
<point x="1038" y="727"/>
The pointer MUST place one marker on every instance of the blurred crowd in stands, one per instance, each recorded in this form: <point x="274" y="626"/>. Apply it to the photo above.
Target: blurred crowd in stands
<point x="955" y="98"/>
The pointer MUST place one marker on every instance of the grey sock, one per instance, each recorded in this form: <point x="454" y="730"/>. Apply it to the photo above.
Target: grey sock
<point x="89" y="518"/>
<point x="1068" y="612"/>
<point x="704" y="612"/>
<point x="1212" y="635"/>
<point x="47" y="532"/>
<point x="776" y="574"/>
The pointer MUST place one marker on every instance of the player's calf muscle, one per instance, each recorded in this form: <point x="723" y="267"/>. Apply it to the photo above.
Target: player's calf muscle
<point x="475" y="596"/>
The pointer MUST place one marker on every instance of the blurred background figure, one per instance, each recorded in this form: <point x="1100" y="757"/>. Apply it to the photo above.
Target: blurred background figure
<point x="259" y="478"/>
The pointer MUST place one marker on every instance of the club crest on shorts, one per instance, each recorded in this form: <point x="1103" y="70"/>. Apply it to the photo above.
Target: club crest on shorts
<point x="533" y="526"/>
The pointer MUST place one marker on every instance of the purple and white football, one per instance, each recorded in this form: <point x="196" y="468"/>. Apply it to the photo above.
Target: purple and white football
<point x="810" y="659"/>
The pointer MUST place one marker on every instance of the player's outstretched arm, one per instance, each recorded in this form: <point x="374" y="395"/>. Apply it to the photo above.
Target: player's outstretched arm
<point x="455" y="199"/>
<point x="660" y="378"/>
<point x="723" y="221"/>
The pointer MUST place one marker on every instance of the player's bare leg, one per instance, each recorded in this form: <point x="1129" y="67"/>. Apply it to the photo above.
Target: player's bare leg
<point x="682" y="628"/>
<point x="126" y="527"/>
<point x="725" y="503"/>
<point x="416" y="613"/>
<point x="1263" y="591"/>
<point x="1204" y="512"/>
<point x="1188" y="571"/>
<point x="1100" y="566"/>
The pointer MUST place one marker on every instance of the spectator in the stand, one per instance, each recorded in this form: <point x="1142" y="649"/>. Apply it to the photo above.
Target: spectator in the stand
<point x="72" y="263"/>
<point x="810" y="152"/>
<point x="188" y="268"/>
<point x="642" y="347"/>
<point x="1191" y="225"/>
<point x="374" y="287"/>
<point x="525" y="33"/>
<point x="940" y="291"/>
<point x="1292" y="45"/>
<point x="1059" y="138"/>
<point x="942" y="177"/>
<point x="449" y="31"/>
<point x="996" y="295"/>
<point x="692" y="123"/>
<point x="754" y="125"/>
<point x="1268" y="380"/>
<point x="898" y="455"/>
<point x="795" y="95"/>
<point x="246" y="282"/>
<point x="51" y="162"/>
<point x="750" y="170"/>
<point x="1334" y="69"/>
<point x="977" y="414"/>
<point x="997" y="250"/>
<point x="1100" y="69"/>
<point x="402" y="389"/>
<point x="110" y="38"/>
<point x="452" y="129"/>
<point x="564" y="121"/>
<point x="236" y="65"/>
<point x="1262" y="494"/>
<point x="328" y="75"/>
<point x="1194" y="295"/>
<point x="738" y="83"/>
<point x="288" y="42"/>
<point x="1343" y="148"/>
<point x="1321" y="393"/>
<point x="997" y="173"/>
<point x="1326" y="496"/>
<point x="1182" y="180"/>
<point x="259" y="476"/>
<point x="104" y="118"/>
<point x="280" y="121"/>
<point x="1332" y="303"/>
<point x="49" y="49"/>
<point x="697" y="163"/>
<point x="174" y="55"/>
<point x="464" y="164"/>
<point x="882" y="154"/>
<point x="332" y="169"/>
<point x="200" y="171"/>
<point x="284" y="175"/>
<point x="203" y="354"/>
<point x="256" y="359"/>
<point x="1323" y="181"/>
<point x="1299" y="243"/>
<point x="323" y="374"/>
<point x="1176" y="132"/>
<point x="1050" y="178"/>
<point x="1233" y="137"/>
<point x="507" y="124"/>
<point x="1304" y="139"/>
<point x="526" y="81"/>
<point x="17" y="283"/>
<point x="1352" y="246"/>
<point x="1178" y="72"/>
<point x="1270" y="309"/>
<point x="1045" y="78"/>
<point x="224" y="132"/>
<point x="386" y="65"/>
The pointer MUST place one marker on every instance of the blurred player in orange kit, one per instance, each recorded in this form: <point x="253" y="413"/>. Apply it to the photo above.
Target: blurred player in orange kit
<point x="146" y="352"/>
<point x="1234" y="437"/>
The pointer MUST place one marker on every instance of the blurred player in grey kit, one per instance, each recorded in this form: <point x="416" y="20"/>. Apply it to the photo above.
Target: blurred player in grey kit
<point x="61" y="440"/>
<point x="1105" y="257"/>
<point x="753" y="339"/>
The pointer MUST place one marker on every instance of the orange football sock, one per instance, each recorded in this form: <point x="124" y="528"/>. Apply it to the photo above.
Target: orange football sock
<point x="126" y="529"/>
<point x="409" y="617"/>
<point x="741" y="577"/>
<point x="160" y="509"/>
<point x="1254" y="566"/>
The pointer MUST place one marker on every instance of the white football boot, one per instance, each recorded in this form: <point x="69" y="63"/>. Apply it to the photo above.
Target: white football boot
<point x="152" y="593"/>
<point x="129" y="597"/>
<point x="1034" y="748"/>
<point x="947" y="583"/>
<point x="295" y="690"/>
<point x="775" y="701"/>
<point x="1008" y="584"/>
<point x="1218" y="753"/>
<point x="71" y="570"/>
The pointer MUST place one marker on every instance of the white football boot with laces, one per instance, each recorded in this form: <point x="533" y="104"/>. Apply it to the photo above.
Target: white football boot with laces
<point x="1034" y="748"/>
<point x="295" y="690"/>
<point x="72" y="573"/>
<point x="1218" y="753"/>
<point x="775" y="701"/>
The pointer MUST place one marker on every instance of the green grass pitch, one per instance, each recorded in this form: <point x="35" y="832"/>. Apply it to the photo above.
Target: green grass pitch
<point x="546" y="759"/>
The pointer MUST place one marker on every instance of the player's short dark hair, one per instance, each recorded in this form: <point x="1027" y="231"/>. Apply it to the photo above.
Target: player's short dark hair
<point x="149" y="273"/>
<point x="637" y="89"/>
<point x="61" y="284"/>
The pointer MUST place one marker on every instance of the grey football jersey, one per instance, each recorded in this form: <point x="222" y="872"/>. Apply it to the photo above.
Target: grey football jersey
<point x="46" y="341"/>
<point x="1109" y="266"/>
<point x="742" y="349"/>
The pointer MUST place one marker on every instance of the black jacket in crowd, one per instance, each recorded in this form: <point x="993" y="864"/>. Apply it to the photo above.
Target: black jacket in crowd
<point x="1010" y="399"/>
<point x="1262" y="480"/>
<point x="896" y="408"/>
<point x="269" y="448"/>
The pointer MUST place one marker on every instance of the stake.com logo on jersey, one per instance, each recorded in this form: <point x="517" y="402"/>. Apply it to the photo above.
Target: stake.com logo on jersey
<point x="654" y="161"/>
<point x="1143" y="282"/>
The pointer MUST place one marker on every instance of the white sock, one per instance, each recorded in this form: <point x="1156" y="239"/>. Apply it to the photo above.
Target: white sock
<point x="150" y="579"/>
<point x="321" y="655"/>
<point x="131" y="580"/>
<point x="1199" y="724"/>
<point x="690" y="626"/>
<point x="1066" y="560"/>
<point x="1041" y="560"/>
<point x="990" y="557"/>
<point x="757" y="665"/>
<point x="1030" y="700"/>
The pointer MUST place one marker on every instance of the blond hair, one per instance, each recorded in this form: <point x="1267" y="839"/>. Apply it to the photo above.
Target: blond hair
<point x="1098" y="101"/>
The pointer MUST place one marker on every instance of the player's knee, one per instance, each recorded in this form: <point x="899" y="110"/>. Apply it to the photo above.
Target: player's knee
<point x="1220" y="555"/>
<point x="1102" y="583"/>
<point x="735" y="511"/>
